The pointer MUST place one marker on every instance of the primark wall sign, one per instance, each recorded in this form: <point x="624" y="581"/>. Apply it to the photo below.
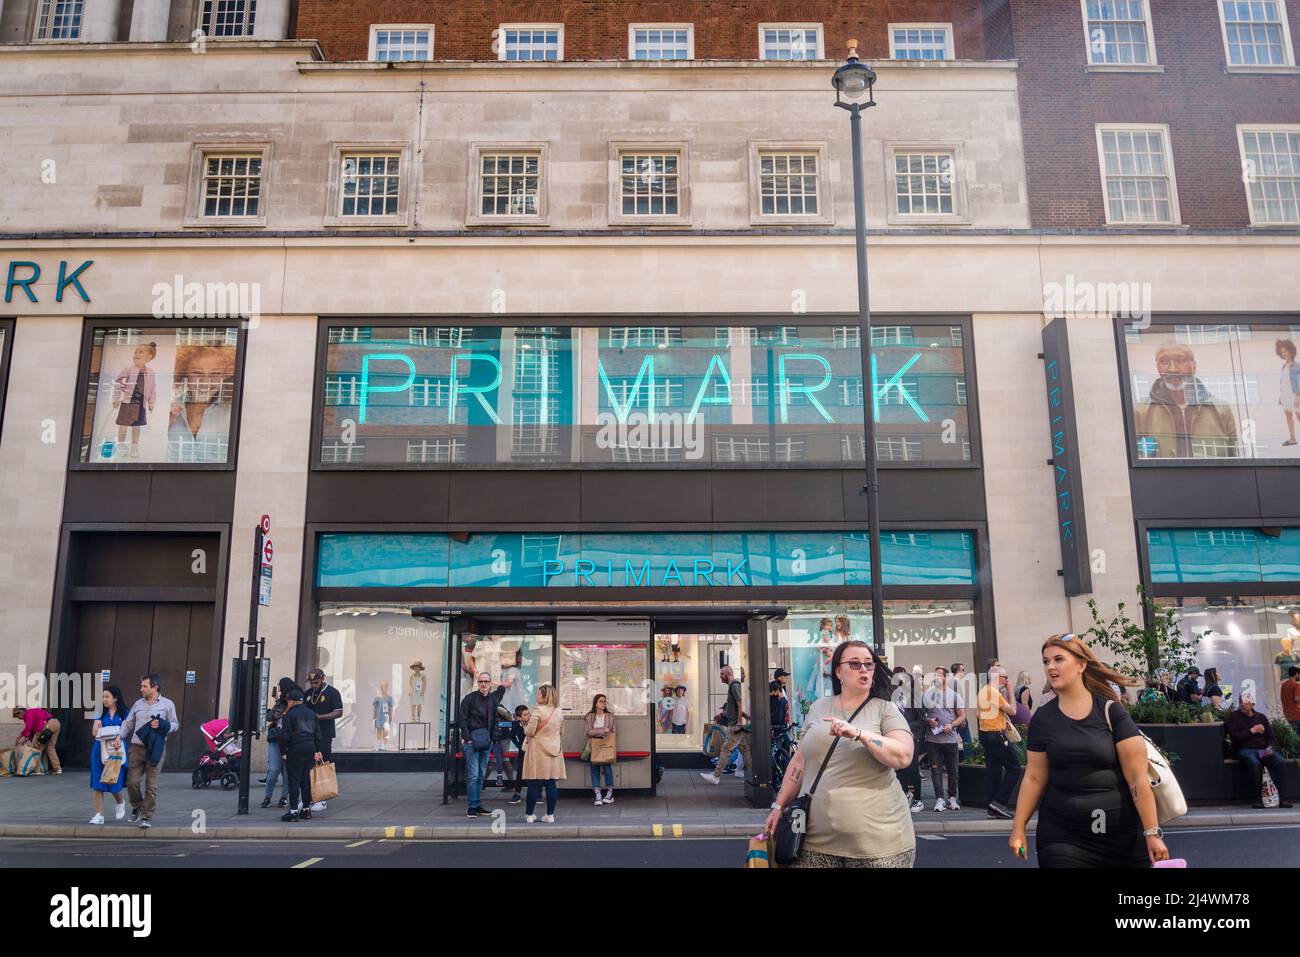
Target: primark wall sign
<point x="1071" y="526"/>
<point x="22" y="275"/>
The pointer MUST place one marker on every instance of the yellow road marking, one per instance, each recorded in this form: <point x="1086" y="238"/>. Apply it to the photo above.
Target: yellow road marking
<point x="390" y="832"/>
<point x="657" y="830"/>
<point x="410" y="831"/>
<point x="359" y="843"/>
<point x="308" y="863"/>
<point x="677" y="830"/>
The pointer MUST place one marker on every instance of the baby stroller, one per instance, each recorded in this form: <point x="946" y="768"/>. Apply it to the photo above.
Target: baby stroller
<point x="222" y="762"/>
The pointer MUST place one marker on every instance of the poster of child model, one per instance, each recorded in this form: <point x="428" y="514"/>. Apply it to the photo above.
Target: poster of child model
<point x="160" y="395"/>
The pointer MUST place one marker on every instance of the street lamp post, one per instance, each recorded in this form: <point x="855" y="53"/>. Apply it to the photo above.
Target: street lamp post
<point x="853" y="81"/>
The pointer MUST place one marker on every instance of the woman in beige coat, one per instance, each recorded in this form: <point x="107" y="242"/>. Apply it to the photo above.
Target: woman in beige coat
<point x="543" y="755"/>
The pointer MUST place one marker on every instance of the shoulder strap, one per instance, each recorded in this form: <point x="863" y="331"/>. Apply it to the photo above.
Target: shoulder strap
<point x="831" y="750"/>
<point x="1107" y="712"/>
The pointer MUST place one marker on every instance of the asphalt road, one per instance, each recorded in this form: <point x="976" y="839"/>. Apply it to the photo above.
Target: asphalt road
<point x="1250" y="847"/>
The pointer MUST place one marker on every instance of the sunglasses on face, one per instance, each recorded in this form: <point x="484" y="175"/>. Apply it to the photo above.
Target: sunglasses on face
<point x="860" y="665"/>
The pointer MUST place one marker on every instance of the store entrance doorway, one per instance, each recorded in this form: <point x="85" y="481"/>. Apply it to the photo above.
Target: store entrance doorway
<point x="689" y="691"/>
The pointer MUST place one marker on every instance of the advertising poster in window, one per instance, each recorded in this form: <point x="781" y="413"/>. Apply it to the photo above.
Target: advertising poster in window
<point x="160" y="396"/>
<point x="676" y="690"/>
<point x="618" y="671"/>
<point x="1215" y="391"/>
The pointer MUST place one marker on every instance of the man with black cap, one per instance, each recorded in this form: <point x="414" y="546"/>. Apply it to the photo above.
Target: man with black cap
<point x="300" y="743"/>
<point x="327" y="704"/>
<point x="1188" y="690"/>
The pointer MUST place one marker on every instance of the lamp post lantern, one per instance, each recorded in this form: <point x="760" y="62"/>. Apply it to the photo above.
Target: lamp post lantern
<point x="854" y="84"/>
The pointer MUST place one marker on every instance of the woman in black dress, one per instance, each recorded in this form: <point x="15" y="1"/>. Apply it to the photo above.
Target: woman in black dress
<point x="1087" y="777"/>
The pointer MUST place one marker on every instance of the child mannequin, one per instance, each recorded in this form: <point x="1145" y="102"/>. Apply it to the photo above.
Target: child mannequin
<point x="134" y="396"/>
<point x="415" y="686"/>
<point x="383" y="711"/>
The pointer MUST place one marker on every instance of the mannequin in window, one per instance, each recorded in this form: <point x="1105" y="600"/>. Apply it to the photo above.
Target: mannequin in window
<point x="416" y="683"/>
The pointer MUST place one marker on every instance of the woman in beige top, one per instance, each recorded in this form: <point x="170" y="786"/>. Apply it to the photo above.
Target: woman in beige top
<point x="543" y="756"/>
<point x="859" y="815"/>
<point x="600" y="727"/>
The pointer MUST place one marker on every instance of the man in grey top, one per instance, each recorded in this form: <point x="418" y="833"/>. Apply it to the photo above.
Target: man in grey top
<point x="732" y="719"/>
<point x="945" y="712"/>
<point x="146" y="727"/>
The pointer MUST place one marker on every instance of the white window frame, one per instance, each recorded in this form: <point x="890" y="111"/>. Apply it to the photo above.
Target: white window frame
<point x="36" y="23"/>
<point x="374" y="39"/>
<point x="632" y="28"/>
<point x="949" y="43"/>
<point x="614" y="211"/>
<point x="405" y="171"/>
<point x="1288" y="67"/>
<point x="1153" y="62"/>
<point x="501" y="39"/>
<point x="821" y="39"/>
<point x="200" y="25"/>
<point x="474" y="215"/>
<point x="825" y="199"/>
<point x="1242" y="130"/>
<point x="1174" y="212"/>
<point x="198" y="161"/>
<point x="960" y="214"/>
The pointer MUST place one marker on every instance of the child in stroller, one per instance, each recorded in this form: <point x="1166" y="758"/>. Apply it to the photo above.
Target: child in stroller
<point x="223" y="758"/>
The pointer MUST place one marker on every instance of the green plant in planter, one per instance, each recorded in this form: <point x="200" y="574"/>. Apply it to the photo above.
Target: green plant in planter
<point x="1285" y="739"/>
<point x="1140" y="650"/>
<point x="1163" y="712"/>
<point x="974" y="753"/>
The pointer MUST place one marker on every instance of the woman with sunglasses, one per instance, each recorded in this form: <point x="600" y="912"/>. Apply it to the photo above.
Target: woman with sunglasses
<point x="859" y="815"/>
<point x="1087" y="773"/>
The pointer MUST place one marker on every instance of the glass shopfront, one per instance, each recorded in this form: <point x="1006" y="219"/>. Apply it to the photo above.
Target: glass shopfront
<point x="539" y="396"/>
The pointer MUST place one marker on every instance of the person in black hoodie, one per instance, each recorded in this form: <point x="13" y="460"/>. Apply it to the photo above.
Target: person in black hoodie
<point x="300" y="745"/>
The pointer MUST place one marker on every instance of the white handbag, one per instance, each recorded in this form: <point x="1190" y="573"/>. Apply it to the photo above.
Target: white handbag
<point x="1170" y="803"/>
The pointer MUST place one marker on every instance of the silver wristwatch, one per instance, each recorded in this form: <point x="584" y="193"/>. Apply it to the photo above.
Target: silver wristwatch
<point x="1154" y="832"/>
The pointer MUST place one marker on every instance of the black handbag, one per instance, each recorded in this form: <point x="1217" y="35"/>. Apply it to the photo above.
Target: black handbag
<point x="792" y="825"/>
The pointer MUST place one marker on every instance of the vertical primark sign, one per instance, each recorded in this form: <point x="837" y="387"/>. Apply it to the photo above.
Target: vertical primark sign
<point x="1071" y="526"/>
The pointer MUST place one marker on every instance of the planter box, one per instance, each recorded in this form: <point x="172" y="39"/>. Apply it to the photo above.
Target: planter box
<point x="973" y="786"/>
<point x="1199" y="766"/>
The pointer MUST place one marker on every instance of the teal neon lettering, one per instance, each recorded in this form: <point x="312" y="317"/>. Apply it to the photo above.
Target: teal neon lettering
<point x="476" y="391"/>
<point x="621" y="411"/>
<point x="580" y="574"/>
<point x="13" y="280"/>
<point x="672" y="572"/>
<point x="736" y="571"/>
<point x="367" y="388"/>
<point x="704" y="385"/>
<point x="632" y="578"/>
<point x="786" y="389"/>
<point x="708" y="576"/>
<point x="65" y="281"/>
<point x="897" y="382"/>
<point x="1058" y="443"/>
<point x="1053" y="370"/>
<point x="1061" y="474"/>
<point x="548" y="573"/>
<point x="609" y="574"/>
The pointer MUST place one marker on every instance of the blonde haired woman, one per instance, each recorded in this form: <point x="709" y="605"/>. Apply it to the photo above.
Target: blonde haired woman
<point x="543" y="757"/>
<point x="1087" y="767"/>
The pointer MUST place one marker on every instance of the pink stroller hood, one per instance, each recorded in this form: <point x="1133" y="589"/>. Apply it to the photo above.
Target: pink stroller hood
<point x="213" y="728"/>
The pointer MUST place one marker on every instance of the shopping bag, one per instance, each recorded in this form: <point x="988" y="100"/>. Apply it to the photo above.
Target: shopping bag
<point x="324" y="782"/>
<point x="760" y="852"/>
<point x="112" y="770"/>
<point x="5" y="756"/>
<point x="604" y="750"/>
<point x="713" y="739"/>
<point x="586" y="752"/>
<point x="1268" y="795"/>
<point x="26" y="761"/>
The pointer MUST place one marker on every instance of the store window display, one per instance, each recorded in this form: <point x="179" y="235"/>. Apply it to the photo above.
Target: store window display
<point x="386" y="667"/>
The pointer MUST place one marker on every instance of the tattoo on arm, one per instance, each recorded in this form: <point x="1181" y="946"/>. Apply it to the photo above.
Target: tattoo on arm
<point x="1134" y="791"/>
<point x="876" y="741"/>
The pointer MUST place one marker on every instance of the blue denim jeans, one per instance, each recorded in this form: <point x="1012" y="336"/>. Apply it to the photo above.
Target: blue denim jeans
<point x="609" y="775"/>
<point x="275" y="770"/>
<point x="476" y="763"/>
<point x="535" y="791"/>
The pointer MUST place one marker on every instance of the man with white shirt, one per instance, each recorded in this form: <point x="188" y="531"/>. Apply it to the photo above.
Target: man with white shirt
<point x="146" y="728"/>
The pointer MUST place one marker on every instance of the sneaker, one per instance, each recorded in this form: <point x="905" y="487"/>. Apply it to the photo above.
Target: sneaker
<point x="609" y="796"/>
<point x="135" y="450"/>
<point x="144" y="822"/>
<point x="57" y="771"/>
<point x="998" y="809"/>
<point x="472" y="814"/>
<point x="710" y="777"/>
<point x="135" y="815"/>
<point x="501" y="782"/>
<point x="266" y="802"/>
<point x="548" y="818"/>
<point x="939" y="805"/>
<point x="120" y="812"/>
<point x="953" y="805"/>
<point x="284" y="801"/>
<point x="918" y="806"/>
<point x="289" y="817"/>
<point x="304" y="815"/>
<point x="261" y="780"/>
<point x="318" y="806"/>
<point x="599" y="800"/>
<point x="530" y="818"/>
<point x="482" y="811"/>
<point x="517" y="799"/>
<point x="97" y="819"/>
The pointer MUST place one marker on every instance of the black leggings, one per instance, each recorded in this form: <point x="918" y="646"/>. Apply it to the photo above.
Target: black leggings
<point x="910" y="776"/>
<point x="298" y="762"/>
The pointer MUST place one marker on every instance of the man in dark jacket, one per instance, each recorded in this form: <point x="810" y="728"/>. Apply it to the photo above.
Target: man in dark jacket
<point x="300" y="744"/>
<point x="476" y="718"/>
<point x="1252" y="739"/>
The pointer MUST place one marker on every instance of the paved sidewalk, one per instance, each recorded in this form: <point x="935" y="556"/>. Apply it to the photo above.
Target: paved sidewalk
<point x="409" y="805"/>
